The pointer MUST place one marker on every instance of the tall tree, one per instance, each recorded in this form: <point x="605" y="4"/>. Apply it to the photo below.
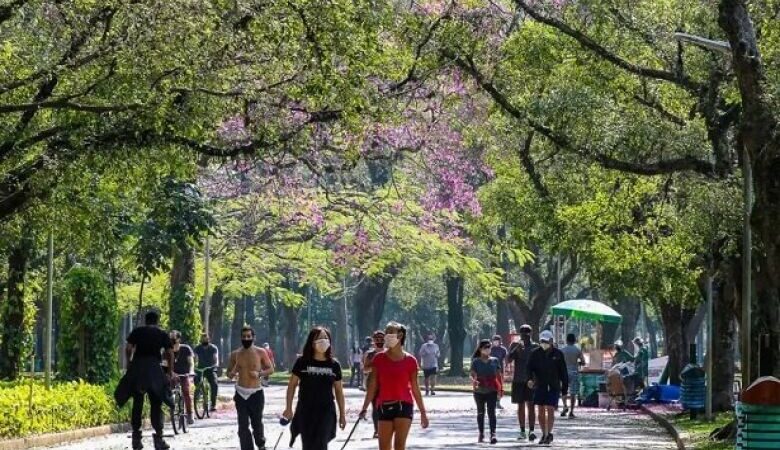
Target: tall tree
<point x="15" y="338"/>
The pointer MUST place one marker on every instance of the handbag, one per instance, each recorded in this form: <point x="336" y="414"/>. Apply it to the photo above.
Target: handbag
<point x="391" y="408"/>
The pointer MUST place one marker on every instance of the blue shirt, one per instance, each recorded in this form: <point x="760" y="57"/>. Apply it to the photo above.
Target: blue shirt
<point x="486" y="372"/>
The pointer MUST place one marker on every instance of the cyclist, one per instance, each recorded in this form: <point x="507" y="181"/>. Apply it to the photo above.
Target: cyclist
<point x="208" y="358"/>
<point x="250" y="363"/>
<point x="183" y="367"/>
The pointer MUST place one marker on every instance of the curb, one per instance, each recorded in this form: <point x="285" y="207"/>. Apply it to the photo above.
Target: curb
<point x="666" y="425"/>
<point x="65" y="437"/>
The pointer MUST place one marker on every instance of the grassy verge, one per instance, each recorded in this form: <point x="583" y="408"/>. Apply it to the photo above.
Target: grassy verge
<point x="698" y="431"/>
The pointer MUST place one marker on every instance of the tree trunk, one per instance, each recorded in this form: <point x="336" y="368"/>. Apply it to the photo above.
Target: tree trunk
<point x="675" y="320"/>
<point x="652" y="331"/>
<point x="630" y="309"/>
<point x="724" y="340"/>
<point x="369" y="303"/>
<point x="217" y="316"/>
<point x="758" y="137"/>
<point x="14" y="329"/>
<point x="290" y="345"/>
<point x="184" y="308"/>
<point x="341" y="345"/>
<point x="455" y="323"/>
<point x="237" y="324"/>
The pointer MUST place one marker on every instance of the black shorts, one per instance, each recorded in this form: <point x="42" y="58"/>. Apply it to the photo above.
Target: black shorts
<point x="521" y="393"/>
<point x="395" y="410"/>
<point x="429" y="372"/>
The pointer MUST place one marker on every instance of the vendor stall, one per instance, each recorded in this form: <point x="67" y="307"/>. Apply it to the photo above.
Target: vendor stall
<point x="598" y="360"/>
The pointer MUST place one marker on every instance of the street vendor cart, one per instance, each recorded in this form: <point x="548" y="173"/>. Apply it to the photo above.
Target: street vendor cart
<point x="572" y="313"/>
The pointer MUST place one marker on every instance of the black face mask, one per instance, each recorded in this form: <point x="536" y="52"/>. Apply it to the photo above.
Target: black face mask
<point x="247" y="342"/>
<point x="525" y="338"/>
<point x="204" y="342"/>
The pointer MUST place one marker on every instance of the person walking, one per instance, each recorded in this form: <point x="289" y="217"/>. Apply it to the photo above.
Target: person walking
<point x="183" y="368"/>
<point x="548" y="376"/>
<point x="267" y="348"/>
<point x="487" y="379"/>
<point x="368" y="347"/>
<point x="574" y="359"/>
<point x="642" y="361"/>
<point x="250" y="363"/>
<point x="522" y="395"/>
<point x="378" y="346"/>
<point x="429" y="358"/>
<point x="207" y="355"/>
<point x="145" y="348"/>
<point x="395" y="389"/>
<point x="356" y="367"/>
<point x="319" y="376"/>
<point x="498" y="351"/>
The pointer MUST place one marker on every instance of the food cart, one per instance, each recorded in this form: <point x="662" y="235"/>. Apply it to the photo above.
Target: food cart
<point x="597" y="360"/>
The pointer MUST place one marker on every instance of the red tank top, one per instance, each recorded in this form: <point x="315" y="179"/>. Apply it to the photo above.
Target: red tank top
<point x="393" y="378"/>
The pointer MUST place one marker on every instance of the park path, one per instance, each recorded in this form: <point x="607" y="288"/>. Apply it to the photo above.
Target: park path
<point x="453" y="427"/>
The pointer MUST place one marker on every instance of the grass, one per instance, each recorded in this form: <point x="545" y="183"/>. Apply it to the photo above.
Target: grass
<point x="698" y="431"/>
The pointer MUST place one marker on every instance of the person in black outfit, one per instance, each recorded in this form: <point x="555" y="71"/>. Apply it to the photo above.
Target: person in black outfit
<point x="207" y="355"/>
<point x="319" y="376"/>
<point x="548" y="375"/>
<point x="145" y="376"/>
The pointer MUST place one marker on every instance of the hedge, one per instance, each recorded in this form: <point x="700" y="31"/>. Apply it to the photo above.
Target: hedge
<point x="67" y="406"/>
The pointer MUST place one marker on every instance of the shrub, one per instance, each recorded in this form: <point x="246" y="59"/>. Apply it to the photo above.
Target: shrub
<point x="90" y="320"/>
<point x="66" y="406"/>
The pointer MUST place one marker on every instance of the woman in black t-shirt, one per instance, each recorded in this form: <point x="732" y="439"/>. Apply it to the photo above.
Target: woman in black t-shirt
<point x="319" y="378"/>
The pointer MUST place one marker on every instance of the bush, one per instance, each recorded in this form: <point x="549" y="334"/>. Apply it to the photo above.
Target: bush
<point x="66" y="406"/>
<point x="87" y="343"/>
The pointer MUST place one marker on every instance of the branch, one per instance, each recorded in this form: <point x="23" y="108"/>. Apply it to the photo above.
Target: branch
<point x="682" y="164"/>
<point x="709" y="44"/>
<point x="530" y="168"/>
<point x="607" y="55"/>
<point x="64" y="104"/>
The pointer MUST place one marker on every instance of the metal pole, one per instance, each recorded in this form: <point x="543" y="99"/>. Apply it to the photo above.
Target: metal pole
<point x="710" y="336"/>
<point x="747" y="258"/>
<point x="207" y="286"/>
<point x="47" y="334"/>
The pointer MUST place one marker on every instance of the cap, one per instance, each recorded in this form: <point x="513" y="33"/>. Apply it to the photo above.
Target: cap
<point x="546" y="336"/>
<point x="618" y="343"/>
<point x="525" y="328"/>
<point x="497" y="337"/>
<point x="638" y="340"/>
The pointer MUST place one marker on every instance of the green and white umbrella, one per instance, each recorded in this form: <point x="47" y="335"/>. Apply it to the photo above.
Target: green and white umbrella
<point x="587" y="310"/>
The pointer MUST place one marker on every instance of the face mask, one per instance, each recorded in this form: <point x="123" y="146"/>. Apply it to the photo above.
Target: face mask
<point x="430" y="341"/>
<point x="545" y="345"/>
<point x="391" y="340"/>
<point x="204" y="342"/>
<point x="247" y="342"/>
<point x="496" y="343"/>
<point x="322" y="345"/>
<point x="485" y="351"/>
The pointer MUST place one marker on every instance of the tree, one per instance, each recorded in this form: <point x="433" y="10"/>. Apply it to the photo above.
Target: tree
<point x="15" y="312"/>
<point x="87" y="343"/>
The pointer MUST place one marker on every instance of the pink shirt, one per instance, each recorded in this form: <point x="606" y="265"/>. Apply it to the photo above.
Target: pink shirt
<point x="393" y="378"/>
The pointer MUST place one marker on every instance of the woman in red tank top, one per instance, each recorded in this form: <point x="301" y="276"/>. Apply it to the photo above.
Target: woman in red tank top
<point x="396" y="389"/>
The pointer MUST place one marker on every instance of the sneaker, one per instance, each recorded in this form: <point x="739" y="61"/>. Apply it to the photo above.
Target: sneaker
<point x="481" y="438"/>
<point x="544" y="440"/>
<point x="493" y="439"/>
<point x="521" y="436"/>
<point x="433" y="393"/>
<point x="427" y="392"/>
<point x="549" y="439"/>
<point x="190" y="420"/>
<point x="564" y="412"/>
<point x="571" y="415"/>
<point x="532" y="436"/>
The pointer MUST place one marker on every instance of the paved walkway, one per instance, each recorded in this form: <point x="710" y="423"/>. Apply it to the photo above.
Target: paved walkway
<point x="453" y="427"/>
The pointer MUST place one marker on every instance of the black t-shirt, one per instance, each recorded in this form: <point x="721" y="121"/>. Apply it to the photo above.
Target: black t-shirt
<point x="317" y="378"/>
<point x="149" y="341"/>
<point x="181" y="363"/>
<point x="207" y="355"/>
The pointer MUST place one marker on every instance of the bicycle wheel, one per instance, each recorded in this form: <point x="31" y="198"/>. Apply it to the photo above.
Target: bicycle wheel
<point x="206" y="395"/>
<point x="175" y="413"/>
<point x="200" y="403"/>
<point x="182" y="415"/>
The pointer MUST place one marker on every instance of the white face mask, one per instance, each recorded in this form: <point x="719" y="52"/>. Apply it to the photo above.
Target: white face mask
<point x="322" y="345"/>
<point x="391" y="340"/>
<point x="545" y="345"/>
<point x="430" y="341"/>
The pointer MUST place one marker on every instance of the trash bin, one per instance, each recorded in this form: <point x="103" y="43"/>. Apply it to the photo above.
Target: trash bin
<point x="693" y="391"/>
<point x="758" y="416"/>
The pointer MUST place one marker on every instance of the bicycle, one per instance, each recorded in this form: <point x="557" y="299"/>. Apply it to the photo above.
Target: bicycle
<point x="179" y="411"/>
<point x="202" y="394"/>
